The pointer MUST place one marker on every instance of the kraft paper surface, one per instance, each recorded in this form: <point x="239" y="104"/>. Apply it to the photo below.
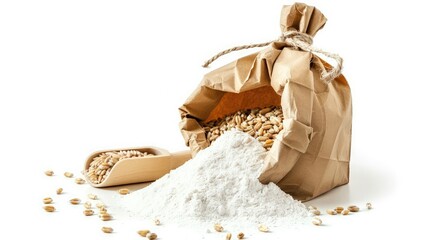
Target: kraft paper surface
<point x="311" y="154"/>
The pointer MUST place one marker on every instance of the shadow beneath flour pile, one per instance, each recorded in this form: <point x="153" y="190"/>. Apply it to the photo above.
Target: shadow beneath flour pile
<point x="367" y="184"/>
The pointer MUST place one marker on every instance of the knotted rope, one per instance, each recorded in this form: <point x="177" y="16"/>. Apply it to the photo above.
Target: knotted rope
<point x="297" y="40"/>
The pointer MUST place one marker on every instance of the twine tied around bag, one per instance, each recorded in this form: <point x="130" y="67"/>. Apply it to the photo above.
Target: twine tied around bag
<point x="298" y="41"/>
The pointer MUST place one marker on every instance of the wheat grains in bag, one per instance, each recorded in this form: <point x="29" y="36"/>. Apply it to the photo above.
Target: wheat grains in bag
<point x="310" y="154"/>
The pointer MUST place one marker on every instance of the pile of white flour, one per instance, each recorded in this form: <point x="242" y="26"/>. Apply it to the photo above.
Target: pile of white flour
<point x="219" y="185"/>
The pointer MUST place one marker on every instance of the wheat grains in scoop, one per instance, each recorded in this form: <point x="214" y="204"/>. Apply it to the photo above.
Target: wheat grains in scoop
<point x="101" y="165"/>
<point x="220" y="185"/>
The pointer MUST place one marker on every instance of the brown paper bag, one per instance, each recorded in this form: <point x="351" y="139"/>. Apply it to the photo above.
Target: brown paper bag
<point x="311" y="155"/>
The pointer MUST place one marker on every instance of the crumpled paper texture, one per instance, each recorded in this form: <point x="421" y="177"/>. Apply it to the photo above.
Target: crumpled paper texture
<point x="311" y="154"/>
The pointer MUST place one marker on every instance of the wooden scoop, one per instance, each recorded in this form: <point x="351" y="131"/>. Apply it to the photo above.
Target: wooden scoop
<point x="140" y="169"/>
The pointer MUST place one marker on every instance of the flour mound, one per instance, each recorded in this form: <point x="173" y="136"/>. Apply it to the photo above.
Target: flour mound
<point x="219" y="185"/>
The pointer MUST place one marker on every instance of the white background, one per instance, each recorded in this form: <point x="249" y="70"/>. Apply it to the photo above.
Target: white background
<point x="80" y="76"/>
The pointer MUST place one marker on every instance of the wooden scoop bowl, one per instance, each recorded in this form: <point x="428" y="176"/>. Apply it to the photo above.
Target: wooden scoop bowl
<point x="140" y="169"/>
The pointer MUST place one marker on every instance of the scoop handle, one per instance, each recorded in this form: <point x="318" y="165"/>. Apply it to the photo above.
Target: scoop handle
<point x="179" y="158"/>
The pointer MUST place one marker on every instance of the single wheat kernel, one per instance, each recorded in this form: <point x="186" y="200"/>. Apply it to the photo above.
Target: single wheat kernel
<point x="87" y="205"/>
<point x="143" y="233"/>
<point x="124" y="191"/>
<point x="88" y="212"/>
<point x="75" y="201"/>
<point x="218" y="227"/>
<point x="264" y="111"/>
<point x="331" y="212"/>
<point x="228" y="236"/>
<point x="262" y="138"/>
<point x="47" y="200"/>
<point x="345" y="212"/>
<point x="312" y="207"/>
<point x="368" y="206"/>
<point x="102" y="210"/>
<point x="157" y="222"/>
<point x="59" y="191"/>
<point x="317" y="221"/>
<point x="49" y="173"/>
<point x="92" y="196"/>
<point x="105" y="216"/>
<point x="107" y="229"/>
<point x="267" y="127"/>
<point x="257" y="126"/>
<point x="79" y="181"/>
<point x="49" y="208"/>
<point x="151" y="236"/>
<point x="263" y="228"/>
<point x="100" y="204"/>
<point x="240" y="235"/>
<point x="339" y="209"/>
<point x="315" y="212"/>
<point x="68" y="174"/>
<point x="353" y="208"/>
